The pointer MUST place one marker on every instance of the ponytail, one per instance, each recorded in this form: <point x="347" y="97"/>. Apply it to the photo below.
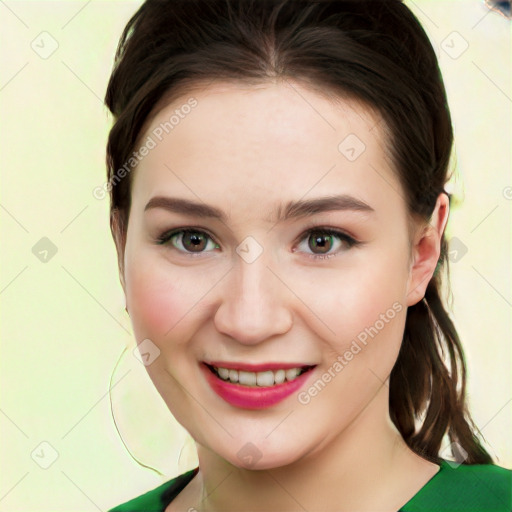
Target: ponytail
<point x="421" y="385"/>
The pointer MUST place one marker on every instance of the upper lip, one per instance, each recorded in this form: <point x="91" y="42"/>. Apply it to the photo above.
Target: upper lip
<point x="256" y="367"/>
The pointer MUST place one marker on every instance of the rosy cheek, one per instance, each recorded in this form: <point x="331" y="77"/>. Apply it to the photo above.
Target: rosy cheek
<point x="155" y="306"/>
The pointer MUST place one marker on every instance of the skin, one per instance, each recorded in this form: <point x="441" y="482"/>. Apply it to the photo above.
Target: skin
<point x="246" y="150"/>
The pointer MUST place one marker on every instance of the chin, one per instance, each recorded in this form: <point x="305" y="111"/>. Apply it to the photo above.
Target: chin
<point x="250" y="457"/>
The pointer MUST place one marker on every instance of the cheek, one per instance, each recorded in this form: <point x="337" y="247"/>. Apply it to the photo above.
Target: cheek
<point x="366" y="289"/>
<point x="366" y="303"/>
<point x="155" y="303"/>
<point x="381" y="311"/>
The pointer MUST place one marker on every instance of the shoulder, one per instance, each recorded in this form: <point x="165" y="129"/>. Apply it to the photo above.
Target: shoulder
<point x="465" y="488"/>
<point x="157" y="499"/>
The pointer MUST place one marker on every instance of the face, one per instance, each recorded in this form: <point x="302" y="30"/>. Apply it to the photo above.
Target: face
<point x="280" y="239"/>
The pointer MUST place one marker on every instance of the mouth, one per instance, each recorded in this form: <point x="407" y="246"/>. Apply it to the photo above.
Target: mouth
<point x="260" y="389"/>
<point x="267" y="377"/>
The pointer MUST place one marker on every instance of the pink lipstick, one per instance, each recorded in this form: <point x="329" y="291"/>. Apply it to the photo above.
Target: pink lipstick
<point x="254" y="397"/>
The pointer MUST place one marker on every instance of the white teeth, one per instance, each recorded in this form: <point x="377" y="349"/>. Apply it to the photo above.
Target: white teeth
<point x="223" y="373"/>
<point x="247" y="378"/>
<point x="262" y="379"/>
<point x="279" y="376"/>
<point x="292" y="373"/>
<point x="265" y="378"/>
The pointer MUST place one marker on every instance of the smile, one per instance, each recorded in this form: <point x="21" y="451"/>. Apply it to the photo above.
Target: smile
<point x="262" y="379"/>
<point x="255" y="389"/>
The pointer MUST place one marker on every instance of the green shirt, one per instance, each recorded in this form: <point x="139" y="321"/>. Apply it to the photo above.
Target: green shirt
<point x="464" y="488"/>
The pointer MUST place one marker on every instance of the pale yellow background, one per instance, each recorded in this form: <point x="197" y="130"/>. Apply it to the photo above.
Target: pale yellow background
<point x="63" y="323"/>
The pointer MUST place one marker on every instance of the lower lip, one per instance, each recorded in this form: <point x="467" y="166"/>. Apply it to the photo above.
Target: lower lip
<point x="255" y="397"/>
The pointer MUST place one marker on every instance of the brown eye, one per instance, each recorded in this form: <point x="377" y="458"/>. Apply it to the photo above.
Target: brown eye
<point x="189" y="241"/>
<point x="325" y="242"/>
<point x="194" y="241"/>
<point x="320" y="242"/>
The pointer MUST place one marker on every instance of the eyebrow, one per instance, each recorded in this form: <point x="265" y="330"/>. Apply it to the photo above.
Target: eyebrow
<point x="292" y="209"/>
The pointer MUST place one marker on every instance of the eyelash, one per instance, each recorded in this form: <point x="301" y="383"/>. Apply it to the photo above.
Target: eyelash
<point x="347" y="239"/>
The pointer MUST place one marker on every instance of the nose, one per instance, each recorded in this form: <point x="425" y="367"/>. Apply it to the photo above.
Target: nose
<point x="254" y="304"/>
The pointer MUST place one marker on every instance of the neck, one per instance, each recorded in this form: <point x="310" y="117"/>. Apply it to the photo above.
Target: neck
<point x="369" y="454"/>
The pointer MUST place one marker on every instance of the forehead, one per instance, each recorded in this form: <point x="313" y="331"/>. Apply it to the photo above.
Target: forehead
<point x="278" y="139"/>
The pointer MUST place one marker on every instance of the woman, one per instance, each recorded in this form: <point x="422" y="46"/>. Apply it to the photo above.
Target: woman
<point x="277" y="172"/>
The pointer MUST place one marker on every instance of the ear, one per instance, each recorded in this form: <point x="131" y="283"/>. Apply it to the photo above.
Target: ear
<point x="426" y="249"/>
<point x="119" y="234"/>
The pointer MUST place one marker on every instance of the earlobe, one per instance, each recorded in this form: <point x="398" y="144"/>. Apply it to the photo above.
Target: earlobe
<point x="426" y="251"/>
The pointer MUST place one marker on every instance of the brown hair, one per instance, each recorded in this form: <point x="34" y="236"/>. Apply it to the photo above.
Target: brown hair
<point x="375" y="51"/>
